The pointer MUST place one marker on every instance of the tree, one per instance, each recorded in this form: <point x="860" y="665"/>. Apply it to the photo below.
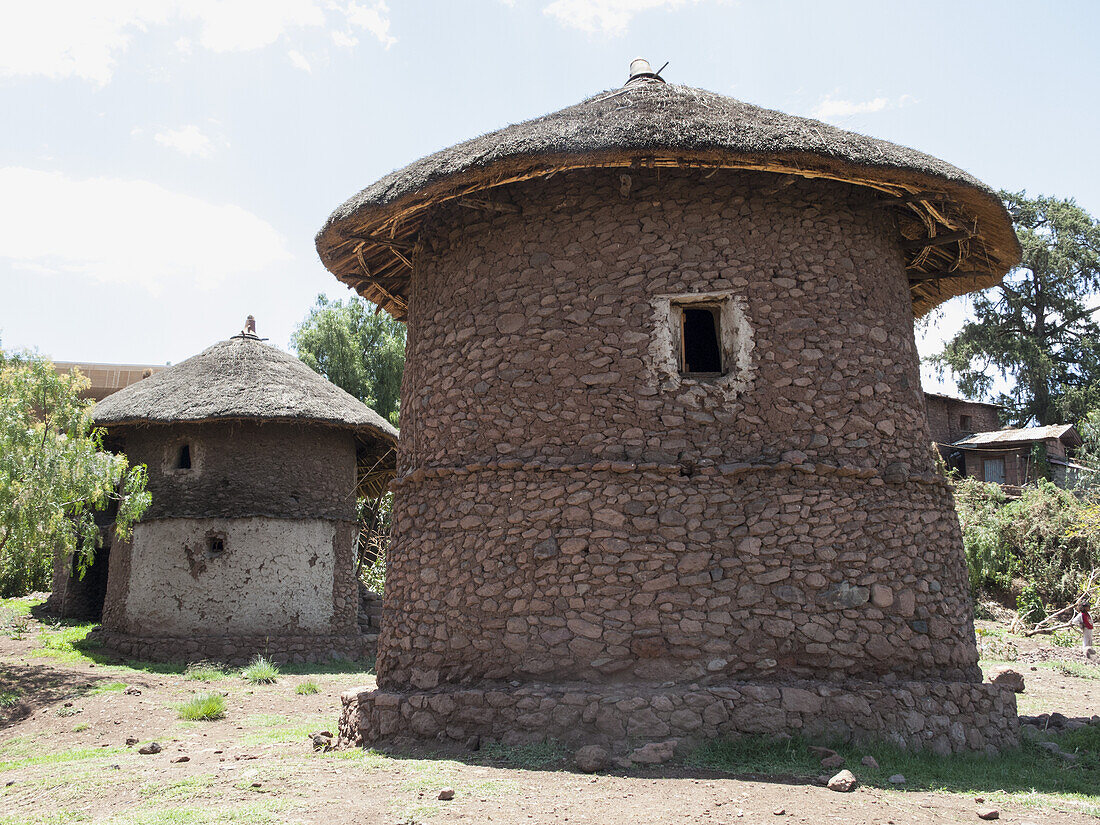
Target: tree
<point x="357" y="349"/>
<point x="1037" y="329"/>
<point x="54" y="475"/>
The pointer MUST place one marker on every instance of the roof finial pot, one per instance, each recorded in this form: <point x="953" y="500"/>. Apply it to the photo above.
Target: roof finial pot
<point x="641" y="70"/>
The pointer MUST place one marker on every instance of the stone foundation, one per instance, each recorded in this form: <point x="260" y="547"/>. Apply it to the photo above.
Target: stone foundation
<point x="945" y="717"/>
<point x="236" y="650"/>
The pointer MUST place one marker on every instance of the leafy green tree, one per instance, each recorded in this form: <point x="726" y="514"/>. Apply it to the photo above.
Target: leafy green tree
<point x="356" y="348"/>
<point x="54" y="475"/>
<point x="1037" y="330"/>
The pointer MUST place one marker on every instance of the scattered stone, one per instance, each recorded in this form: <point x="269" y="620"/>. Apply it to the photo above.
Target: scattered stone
<point x="897" y="779"/>
<point x="473" y="743"/>
<point x="843" y="782"/>
<point x="447" y="794"/>
<point x="654" y="753"/>
<point x="148" y="749"/>
<point x="322" y="741"/>
<point x="257" y="784"/>
<point x="832" y="762"/>
<point x="870" y="762"/>
<point x="817" y="750"/>
<point x="131" y="741"/>
<point x="591" y="758"/>
<point x="988" y="813"/>
<point x="182" y="759"/>
<point x="822" y="780"/>
<point x="1007" y="677"/>
<point x="132" y="691"/>
<point x="779" y="811"/>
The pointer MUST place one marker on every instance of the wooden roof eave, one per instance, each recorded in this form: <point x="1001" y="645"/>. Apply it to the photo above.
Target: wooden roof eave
<point x="377" y="258"/>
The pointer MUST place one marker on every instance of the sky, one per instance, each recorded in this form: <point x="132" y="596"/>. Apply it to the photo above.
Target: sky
<point x="165" y="164"/>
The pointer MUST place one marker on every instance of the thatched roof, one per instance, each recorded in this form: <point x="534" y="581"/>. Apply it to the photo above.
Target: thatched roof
<point x="242" y="379"/>
<point x="369" y="242"/>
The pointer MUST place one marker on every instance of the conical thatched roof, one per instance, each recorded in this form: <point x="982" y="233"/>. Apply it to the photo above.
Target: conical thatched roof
<point x="242" y="379"/>
<point x="370" y="240"/>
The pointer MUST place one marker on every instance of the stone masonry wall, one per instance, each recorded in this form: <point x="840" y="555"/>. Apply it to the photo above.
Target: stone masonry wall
<point x="944" y="418"/>
<point x="937" y="716"/>
<point x="568" y="509"/>
<point x="247" y="469"/>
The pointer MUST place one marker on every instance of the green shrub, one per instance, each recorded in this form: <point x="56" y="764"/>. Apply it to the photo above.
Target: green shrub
<point x="203" y="707"/>
<point x="989" y="560"/>
<point x="1030" y="605"/>
<point x="1065" y="638"/>
<point x="261" y="671"/>
<point x="307" y="689"/>
<point x="1047" y="536"/>
<point x="204" y="672"/>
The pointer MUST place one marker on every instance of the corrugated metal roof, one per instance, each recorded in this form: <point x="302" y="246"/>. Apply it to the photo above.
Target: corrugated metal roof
<point x="1024" y="435"/>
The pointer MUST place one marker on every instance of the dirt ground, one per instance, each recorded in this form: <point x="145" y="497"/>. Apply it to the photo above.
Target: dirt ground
<point x="68" y="717"/>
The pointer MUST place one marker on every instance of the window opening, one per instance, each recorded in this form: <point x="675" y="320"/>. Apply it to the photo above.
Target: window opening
<point x="183" y="461"/>
<point x="964" y="423"/>
<point x="215" y="545"/>
<point x="700" y="334"/>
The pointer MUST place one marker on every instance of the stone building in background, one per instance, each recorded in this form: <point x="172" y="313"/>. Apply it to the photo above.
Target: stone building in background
<point x="665" y="467"/>
<point x="249" y="545"/>
<point x="973" y="443"/>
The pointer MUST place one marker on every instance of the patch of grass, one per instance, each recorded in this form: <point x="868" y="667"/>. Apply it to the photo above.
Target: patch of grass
<point x="538" y="755"/>
<point x="1077" y="669"/>
<point x="203" y="707"/>
<point x="261" y="671"/>
<point x="105" y="687"/>
<point x="256" y="813"/>
<point x="191" y="787"/>
<point x="61" y="757"/>
<point x="21" y="605"/>
<point x="274" y="729"/>
<point x="52" y="818"/>
<point x="9" y="698"/>
<point x="67" y="711"/>
<point x="1027" y="771"/>
<point x="205" y="672"/>
<point x="307" y="689"/>
<point x="81" y="727"/>
<point x="66" y="642"/>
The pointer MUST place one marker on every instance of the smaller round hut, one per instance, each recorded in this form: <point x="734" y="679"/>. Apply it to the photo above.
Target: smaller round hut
<point x="249" y="545"/>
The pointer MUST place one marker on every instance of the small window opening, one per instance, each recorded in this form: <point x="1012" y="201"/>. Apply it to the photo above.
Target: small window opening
<point x="964" y="422"/>
<point x="215" y="545"/>
<point x="700" y="334"/>
<point x="183" y="460"/>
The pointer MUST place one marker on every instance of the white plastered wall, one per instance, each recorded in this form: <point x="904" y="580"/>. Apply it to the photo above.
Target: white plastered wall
<point x="273" y="576"/>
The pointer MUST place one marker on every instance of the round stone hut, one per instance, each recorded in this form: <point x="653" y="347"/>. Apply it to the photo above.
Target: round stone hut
<point x="665" y="468"/>
<point x="249" y="545"/>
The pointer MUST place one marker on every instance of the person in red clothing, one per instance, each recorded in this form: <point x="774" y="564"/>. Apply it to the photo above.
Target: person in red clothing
<point x="1084" y="621"/>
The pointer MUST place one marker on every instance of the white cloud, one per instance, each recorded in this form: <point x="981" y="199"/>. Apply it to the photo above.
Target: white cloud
<point x="344" y="38"/>
<point x="299" y="60"/>
<point x="374" y="18"/>
<point x="188" y="141"/>
<point x="831" y="108"/>
<point x="609" y="16"/>
<point x="84" y="38"/>
<point x="133" y="233"/>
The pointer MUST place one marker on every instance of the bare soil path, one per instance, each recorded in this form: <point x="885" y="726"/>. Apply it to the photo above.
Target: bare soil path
<point x="67" y="716"/>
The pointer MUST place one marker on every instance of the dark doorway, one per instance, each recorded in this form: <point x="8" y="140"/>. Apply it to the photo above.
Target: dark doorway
<point x="83" y="598"/>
